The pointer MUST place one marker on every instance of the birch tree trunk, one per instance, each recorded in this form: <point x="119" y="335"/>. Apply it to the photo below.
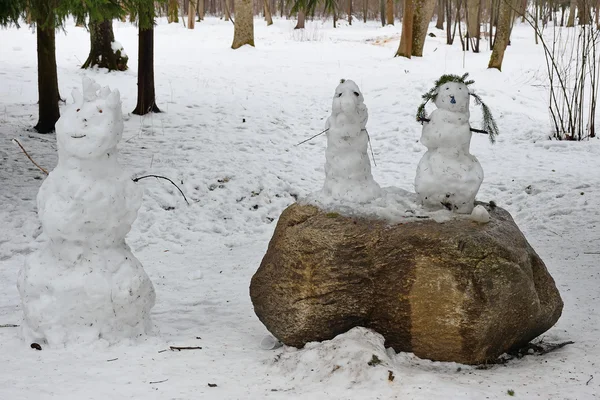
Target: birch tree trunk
<point x="244" y="24"/>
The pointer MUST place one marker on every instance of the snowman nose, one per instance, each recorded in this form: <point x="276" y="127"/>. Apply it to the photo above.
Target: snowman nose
<point x="452" y="100"/>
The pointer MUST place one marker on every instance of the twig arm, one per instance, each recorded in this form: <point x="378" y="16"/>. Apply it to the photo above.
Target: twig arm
<point x="28" y="156"/>
<point x="163" y="177"/>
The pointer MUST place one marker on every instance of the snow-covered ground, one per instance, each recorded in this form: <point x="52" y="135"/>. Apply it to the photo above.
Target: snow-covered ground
<point x="227" y="137"/>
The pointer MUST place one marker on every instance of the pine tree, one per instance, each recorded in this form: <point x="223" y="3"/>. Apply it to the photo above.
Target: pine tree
<point x="145" y="14"/>
<point x="103" y="52"/>
<point x="47" y="15"/>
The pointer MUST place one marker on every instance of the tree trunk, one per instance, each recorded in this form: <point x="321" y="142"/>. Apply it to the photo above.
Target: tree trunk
<point x="300" y="23"/>
<point x="382" y="11"/>
<point x="448" y="12"/>
<point x="146" y="100"/>
<point x="365" y="10"/>
<point x="226" y="10"/>
<point x="572" y="10"/>
<point x="47" y="79"/>
<point x="268" y="16"/>
<point x="350" y="12"/>
<point x="244" y="24"/>
<point x="584" y="13"/>
<point x="102" y="53"/>
<point x="502" y="35"/>
<point x="406" y="42"/>
<point x="440" y="15"/>
<point x="423" y="12"/>
<point x="192" y="14"/>
<point x="389" y="12"/>
<point x="473" y="14"/>
<point x="173" y="11"/>
<point x="201" y="10"/>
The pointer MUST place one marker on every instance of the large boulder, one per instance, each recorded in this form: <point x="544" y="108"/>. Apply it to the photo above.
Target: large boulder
<point x="455" y="291"/>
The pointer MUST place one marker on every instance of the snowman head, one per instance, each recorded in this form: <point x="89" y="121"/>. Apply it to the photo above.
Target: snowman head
<point x="451" y="92"/>
<point x="349" y="100"/>
<point x="453" y="96"/>
<point x="92" y="125"/>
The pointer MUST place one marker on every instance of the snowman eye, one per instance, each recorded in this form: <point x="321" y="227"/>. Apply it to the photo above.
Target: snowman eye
<point x="78" y="109"/>
<point x="356" y="94"/>
<point x="447" y="88"/>
<point x="339" y="95"/>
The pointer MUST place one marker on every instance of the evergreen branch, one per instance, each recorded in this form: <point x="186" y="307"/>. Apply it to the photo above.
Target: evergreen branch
<point x="489" y="123"/>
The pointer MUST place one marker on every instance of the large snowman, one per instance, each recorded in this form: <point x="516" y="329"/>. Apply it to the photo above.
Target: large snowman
<point x="85" y="284"/>
<point x="448" y="175"/>
<point x="347" y="165"/>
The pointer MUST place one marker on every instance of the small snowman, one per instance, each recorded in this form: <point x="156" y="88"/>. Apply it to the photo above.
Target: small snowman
<point x="448" y="175"/>
<point x="85" y="284"/>
<point x="347" y="166"/>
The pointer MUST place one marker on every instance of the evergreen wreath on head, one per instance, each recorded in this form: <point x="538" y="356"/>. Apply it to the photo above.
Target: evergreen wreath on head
<point x="489" y="123"/>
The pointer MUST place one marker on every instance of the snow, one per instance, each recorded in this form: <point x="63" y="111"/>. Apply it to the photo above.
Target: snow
<point x="116" y="46"/>
<point x="84" y="284"/>
<point x="480" y="214"/>
<point x="448" y="175"/>
<point x="239" y="176"/>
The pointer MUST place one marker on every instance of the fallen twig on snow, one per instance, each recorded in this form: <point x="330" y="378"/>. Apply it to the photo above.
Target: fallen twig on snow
<point x="163" y="177"/>
<point x="9" y="326"/>
<point x="152" y="383"/>
<point x="589" y="380"/>
<point x="179" y="348"/>
<point x="112" y="359"/>
<point x="28" y="156"/>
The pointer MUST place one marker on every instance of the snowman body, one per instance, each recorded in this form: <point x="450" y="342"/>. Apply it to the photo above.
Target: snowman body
<point x="348" y="167"/>
<point x="85" y="284"/>
<point x="448" y="176"/>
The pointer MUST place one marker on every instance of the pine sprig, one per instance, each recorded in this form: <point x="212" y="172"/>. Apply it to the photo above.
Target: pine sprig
<point x="489" y="123"/>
